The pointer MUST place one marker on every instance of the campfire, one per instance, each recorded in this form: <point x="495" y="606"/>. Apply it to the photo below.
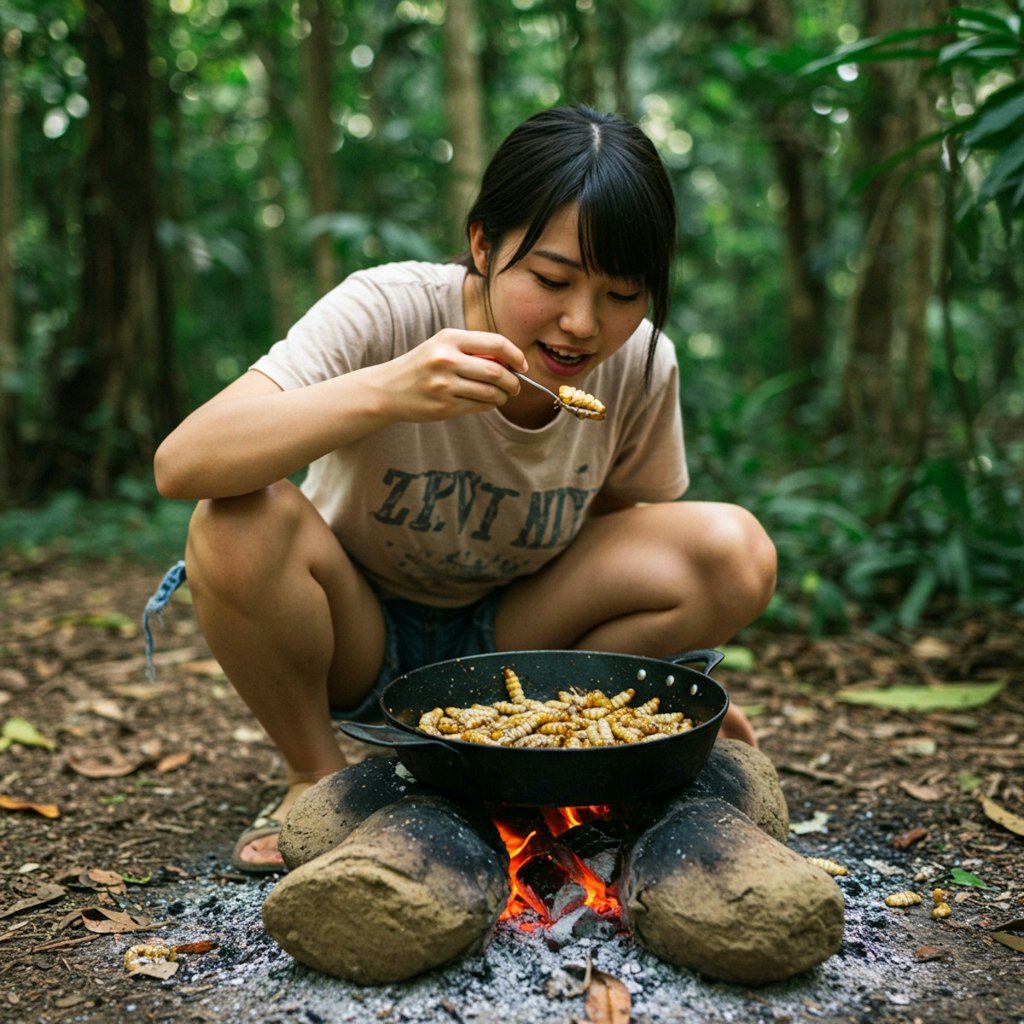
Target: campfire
<point x="496" y="811"/>
<point x="559" y="862"/>
<point x="390" y="878"/>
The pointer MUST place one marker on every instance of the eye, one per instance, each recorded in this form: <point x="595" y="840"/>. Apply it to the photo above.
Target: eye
<point x="548" y="282"/>
<point x="620" y="297"/>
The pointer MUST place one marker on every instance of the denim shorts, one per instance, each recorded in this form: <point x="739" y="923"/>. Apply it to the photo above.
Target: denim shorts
<point x="420" y="634"/>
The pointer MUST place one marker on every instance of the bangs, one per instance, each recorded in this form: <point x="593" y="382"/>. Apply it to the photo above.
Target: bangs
<point x="623" y="228"/>
<point x="619" y="235"/>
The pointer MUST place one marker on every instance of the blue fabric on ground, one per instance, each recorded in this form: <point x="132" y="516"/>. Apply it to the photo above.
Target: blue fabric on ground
<point x="173" y="579"/>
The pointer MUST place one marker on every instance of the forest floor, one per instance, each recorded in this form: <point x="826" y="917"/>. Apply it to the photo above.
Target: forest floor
<point x="120" y="799"/>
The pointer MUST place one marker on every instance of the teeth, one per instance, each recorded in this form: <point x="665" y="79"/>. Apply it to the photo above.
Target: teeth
<point x="562" y="357"/>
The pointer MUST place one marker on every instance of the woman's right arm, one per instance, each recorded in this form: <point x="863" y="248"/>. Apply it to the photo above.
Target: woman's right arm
<point x="254" y="433"/>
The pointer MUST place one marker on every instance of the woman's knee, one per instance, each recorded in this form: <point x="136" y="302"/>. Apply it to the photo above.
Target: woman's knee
<point x="744" y="559"/>
<point x="234" y="543"/>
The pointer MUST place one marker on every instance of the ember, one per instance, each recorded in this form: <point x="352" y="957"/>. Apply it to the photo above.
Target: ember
<point x="559" y="861"/>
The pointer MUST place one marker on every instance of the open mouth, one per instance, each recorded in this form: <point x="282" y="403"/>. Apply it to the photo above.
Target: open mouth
<point x="559" y="359"/>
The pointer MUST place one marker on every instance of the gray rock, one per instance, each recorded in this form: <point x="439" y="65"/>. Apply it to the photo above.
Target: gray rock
<point x="708" y="890"/>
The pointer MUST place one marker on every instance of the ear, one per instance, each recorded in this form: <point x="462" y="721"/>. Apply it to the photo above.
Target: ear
<point x="479" y="247"/>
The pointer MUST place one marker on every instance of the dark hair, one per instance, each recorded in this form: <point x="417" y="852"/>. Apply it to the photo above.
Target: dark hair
<point x="611" y="170"/>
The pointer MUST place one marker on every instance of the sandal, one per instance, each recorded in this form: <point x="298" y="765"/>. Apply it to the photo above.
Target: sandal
<point x="264" y="825"/>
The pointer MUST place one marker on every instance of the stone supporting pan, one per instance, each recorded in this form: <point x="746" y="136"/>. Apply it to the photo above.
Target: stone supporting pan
<point x="329" y="811"/>
<point x="707" y="889"/>
<point x="418" y="884"/>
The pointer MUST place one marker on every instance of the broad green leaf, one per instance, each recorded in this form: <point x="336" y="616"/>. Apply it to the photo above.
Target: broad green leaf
<point x="740" y="658"/>
<point x="1002" y="110"/>
<point x="920" y="593"/>
<point x="941" y="697"/>
<point x="872" y="49"/>
<point x="962" y="877"/>
<point x="21" y="730"/>
<point x="1008" y="164"/>
<point x="977" y="17"/>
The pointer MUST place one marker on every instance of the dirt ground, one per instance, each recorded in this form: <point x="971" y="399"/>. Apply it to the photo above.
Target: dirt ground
<point x="120" y="799"/>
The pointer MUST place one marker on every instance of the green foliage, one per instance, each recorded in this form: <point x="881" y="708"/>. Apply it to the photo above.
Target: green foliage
<point x="887" y="552"/>
<point x="133" y="524"/>
<point x="989" y="46"/>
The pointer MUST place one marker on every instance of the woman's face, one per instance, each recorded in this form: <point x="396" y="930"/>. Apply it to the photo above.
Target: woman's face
<point x="565" y="320"/>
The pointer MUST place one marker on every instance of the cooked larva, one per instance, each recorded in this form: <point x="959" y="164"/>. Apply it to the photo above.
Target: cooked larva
<point x="577" y="718"/>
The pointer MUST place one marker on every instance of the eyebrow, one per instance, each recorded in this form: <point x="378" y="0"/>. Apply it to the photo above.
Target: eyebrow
<point x="557" y="257"/>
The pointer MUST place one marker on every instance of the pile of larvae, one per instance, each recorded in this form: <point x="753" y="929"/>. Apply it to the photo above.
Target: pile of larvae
<point x="577" y="718"/>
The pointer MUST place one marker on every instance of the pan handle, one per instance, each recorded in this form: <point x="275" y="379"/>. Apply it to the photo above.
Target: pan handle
<point x="389" y="736"/>
<point x="709" y="657"/>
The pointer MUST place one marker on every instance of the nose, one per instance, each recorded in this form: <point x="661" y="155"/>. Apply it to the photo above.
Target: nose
<point x="580" y="317"/>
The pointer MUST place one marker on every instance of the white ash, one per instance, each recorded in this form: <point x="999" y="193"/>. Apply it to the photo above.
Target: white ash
<point x="528" y="978"/>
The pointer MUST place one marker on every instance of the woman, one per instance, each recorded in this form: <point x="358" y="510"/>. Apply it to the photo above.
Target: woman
<point x="448" y="509"/>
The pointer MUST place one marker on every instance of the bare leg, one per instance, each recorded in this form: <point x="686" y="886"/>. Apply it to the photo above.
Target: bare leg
<point x="291" y="621"/>
<point x="651" y="580"/>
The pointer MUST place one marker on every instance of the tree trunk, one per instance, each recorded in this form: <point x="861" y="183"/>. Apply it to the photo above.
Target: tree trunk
<point x="280" y="276"/>
<point x="10" y="110"/>
<point x="798" y="169"/>
<point x="581" y="56"/>
<point x="619" y="16"/>
<point x="320" y="134"/>
<point x="463" y="102"/>
<point x="920" y="289"/>
<point x="886" y="391"/>
<point x="121" y="398"/>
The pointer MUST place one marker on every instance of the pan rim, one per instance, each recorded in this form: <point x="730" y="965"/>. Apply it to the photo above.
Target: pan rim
<point x="641" y="661"/>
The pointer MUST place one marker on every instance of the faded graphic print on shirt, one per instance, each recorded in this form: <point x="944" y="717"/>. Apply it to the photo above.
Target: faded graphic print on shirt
<point x="466" y="507"/>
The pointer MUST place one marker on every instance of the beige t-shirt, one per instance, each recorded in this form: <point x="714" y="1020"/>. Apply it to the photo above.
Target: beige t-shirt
<point x="443" y="512"/>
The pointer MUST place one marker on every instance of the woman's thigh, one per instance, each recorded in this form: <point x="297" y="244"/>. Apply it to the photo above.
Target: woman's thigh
<point x="271" y="557"/>
<point x="653" y="579"/>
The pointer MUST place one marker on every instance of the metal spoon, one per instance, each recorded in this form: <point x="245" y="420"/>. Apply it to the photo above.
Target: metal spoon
<point x="577" y="410"/>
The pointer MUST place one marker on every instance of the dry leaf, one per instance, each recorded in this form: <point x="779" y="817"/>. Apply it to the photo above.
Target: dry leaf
<point x="1001" y="816"/>
<point x="901" y="842"/>
<point x="114" y="922"/>
<point x="162" y="969"/>
<point x="925" y="953"/>
<point x="172" y="761"/>
<point x="928" y="794"/>
<point x="47" y="892"/>
<point x="115" y="765"/>
<point x="98" y="878"/>
<point x="932" y="647"/>
<point x="141" y="691"/>
<point x="608" y="1000"/>
<point x="1016" y="927"/>
<point x="1007" y="939"/>
<point x="9" y="803"/>
<point x="106" y="708"/>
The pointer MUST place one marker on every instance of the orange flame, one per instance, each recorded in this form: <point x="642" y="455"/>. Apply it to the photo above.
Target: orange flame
<point x="523" y="846"/>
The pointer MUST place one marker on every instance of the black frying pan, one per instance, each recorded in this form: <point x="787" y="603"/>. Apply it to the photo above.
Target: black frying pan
<point x="625" y="773"/>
